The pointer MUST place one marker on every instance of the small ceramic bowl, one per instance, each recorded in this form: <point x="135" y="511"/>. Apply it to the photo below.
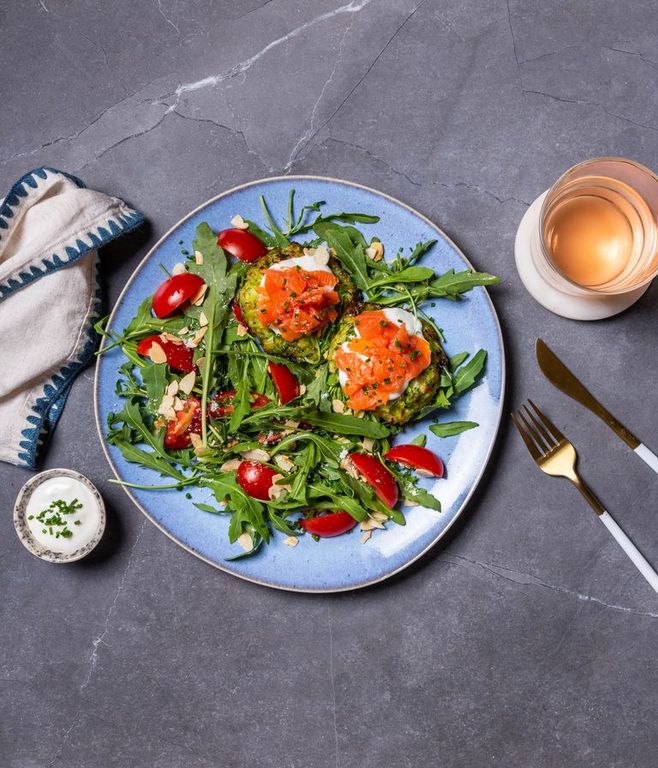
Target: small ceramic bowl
<point x="23" y="529"/>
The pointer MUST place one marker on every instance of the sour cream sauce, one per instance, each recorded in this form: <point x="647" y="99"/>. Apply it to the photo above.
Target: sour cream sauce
<point x="83" y="522"/>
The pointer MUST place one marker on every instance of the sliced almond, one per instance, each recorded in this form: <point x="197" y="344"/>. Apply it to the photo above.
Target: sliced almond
<point x="290" y="541"/>
<point x="198" y="336"/>
<point x="156" y="353"/>
<point x="291" y="424"/>
<point x="368" y="444"/>
<point x="338" y="406"/>
<point x="349" y="467"/>
<point x="366" y="537"/>
<point x="183" y="331"/>
<point x="283" y="461"/>
<point x="302" y="389"/>
<point x="408" y="503"/>
<point x="200" y="295"/>
<point x="178" y="404"/>
<point x="166" y="404"/>
<point x="203" y="320"/>
<point x="172" y="388"/>
<point x="375" y="251"/>
<point x="343" y="440"/>
<point x="197" y="443"/>
<point x="186" y="384"/>
<point x="198" y="257"/>
<point x="231" y="465"/>
<point x="200" y="362"/>
<point x="242" y="330"/>
<point x="381" y="517"/>
<point x="246" y="542"/>
<point x="179" y="269"/>
<point x="277" y="490"/>
<point x="256" y="454"/>
<point x="238" y="222"/>
<point x="424" y="473"/>
<point x="170" y="337"/>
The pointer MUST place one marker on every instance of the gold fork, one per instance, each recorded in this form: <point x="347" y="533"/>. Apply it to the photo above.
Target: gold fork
<point x="556" y="456"/>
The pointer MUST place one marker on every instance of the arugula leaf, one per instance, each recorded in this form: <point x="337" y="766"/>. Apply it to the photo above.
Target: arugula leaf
<point x="467" y="374"/>
<point x="407" y="275"/>
<point x="349" y="252"/>
<point x="450" y="428"/>
<point x="420" y="440"/>
<point x="453" y="284"/>
<point x="344" y="424"/>
<point x="148" y="459"/>
<point x="154" y="377"/>
<point x="279" y="238"/>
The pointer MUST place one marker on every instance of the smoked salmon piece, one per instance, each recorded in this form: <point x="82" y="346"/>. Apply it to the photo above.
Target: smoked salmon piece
<point x="298" y="302"/>
<point x="380" y="361"/>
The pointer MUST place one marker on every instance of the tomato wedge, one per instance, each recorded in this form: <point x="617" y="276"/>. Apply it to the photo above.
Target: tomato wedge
<point x="187" y="421"/>
<point x="241" y="244"/>
<point x="255" y="479"/>
<point x="175" y="292"/>
<point x="376" y="474"/>
<point x="179" y="357"/>
<point x="421" y="459"/>
<point x="332" y="524"/>
<point x="285" y="382"/>
<point x="220" y="404"/>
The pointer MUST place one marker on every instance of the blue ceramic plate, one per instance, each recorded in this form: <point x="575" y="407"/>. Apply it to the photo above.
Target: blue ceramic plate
<point x="342" y="563"/>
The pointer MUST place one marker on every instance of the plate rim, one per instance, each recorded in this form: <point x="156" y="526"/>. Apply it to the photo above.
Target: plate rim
<point x="479" y="476"/>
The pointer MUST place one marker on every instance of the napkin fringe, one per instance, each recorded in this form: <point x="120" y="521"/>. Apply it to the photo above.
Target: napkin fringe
<point x="120" y="224"/>
<point x="47" y="405"/>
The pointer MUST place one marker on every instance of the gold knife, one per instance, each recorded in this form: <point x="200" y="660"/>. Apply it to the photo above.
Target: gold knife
<point x="562" y="378"/>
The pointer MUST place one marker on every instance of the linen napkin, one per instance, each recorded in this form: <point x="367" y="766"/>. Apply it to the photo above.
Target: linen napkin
<point x="50" y="229"/>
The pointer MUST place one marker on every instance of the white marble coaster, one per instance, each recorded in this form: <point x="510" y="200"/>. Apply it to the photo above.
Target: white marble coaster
<point x="564" y="304"/>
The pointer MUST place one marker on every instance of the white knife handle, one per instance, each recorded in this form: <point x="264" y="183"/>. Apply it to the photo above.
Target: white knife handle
<point x="646" y="455"/>
<point x="630" y="549"/>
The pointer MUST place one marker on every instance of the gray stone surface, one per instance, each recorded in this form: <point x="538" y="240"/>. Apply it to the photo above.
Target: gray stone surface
<point x="526" y="639"/>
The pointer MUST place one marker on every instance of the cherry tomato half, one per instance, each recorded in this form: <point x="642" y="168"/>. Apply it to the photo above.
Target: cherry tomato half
<point x="332" y="524"/>
<point x="220" y="404"/>
<point x="179" y="357"/>
<point x="187" y="421"/>
<point x="285" y="382"/>
<point x="175" y="292"/>
<point x="241" y="244"/>
<point x="422" y="459"/>
<point x="376" y="474"/>
<point x="255" y="479"/>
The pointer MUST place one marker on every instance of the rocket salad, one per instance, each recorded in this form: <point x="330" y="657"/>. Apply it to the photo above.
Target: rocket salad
<point x="275" y="365"/>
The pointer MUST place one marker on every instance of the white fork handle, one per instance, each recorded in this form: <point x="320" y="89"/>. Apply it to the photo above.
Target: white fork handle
<point x="648" y="456"/>
<point x="630" y="549"/>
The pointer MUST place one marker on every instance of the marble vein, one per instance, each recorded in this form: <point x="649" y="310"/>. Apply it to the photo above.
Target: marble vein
<point x="527" y="579"/>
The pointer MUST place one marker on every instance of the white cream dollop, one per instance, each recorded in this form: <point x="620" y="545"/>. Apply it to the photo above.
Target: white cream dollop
<point x="393" y="315"/>
<point x="83" y="523"/>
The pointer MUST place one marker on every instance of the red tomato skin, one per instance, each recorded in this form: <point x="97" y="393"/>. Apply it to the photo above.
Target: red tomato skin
<point x="220" y="404"/>
<point x="179" y="357"/>
<point x="419" y="458"/>
<point x="285" y="382"/>
<point x="255" y="479"/>
<point x="175" y="292"/>
<point x="187" y="421"/>
<point x="330" y="525"/>
<point x="238" y="312"/>
<point x="241" y="244"/>
<point x="376" y="474"/>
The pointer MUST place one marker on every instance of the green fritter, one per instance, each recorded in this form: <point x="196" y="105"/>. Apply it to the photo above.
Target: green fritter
<point x="306" y="348"/>
<point x="420" y="391"/>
